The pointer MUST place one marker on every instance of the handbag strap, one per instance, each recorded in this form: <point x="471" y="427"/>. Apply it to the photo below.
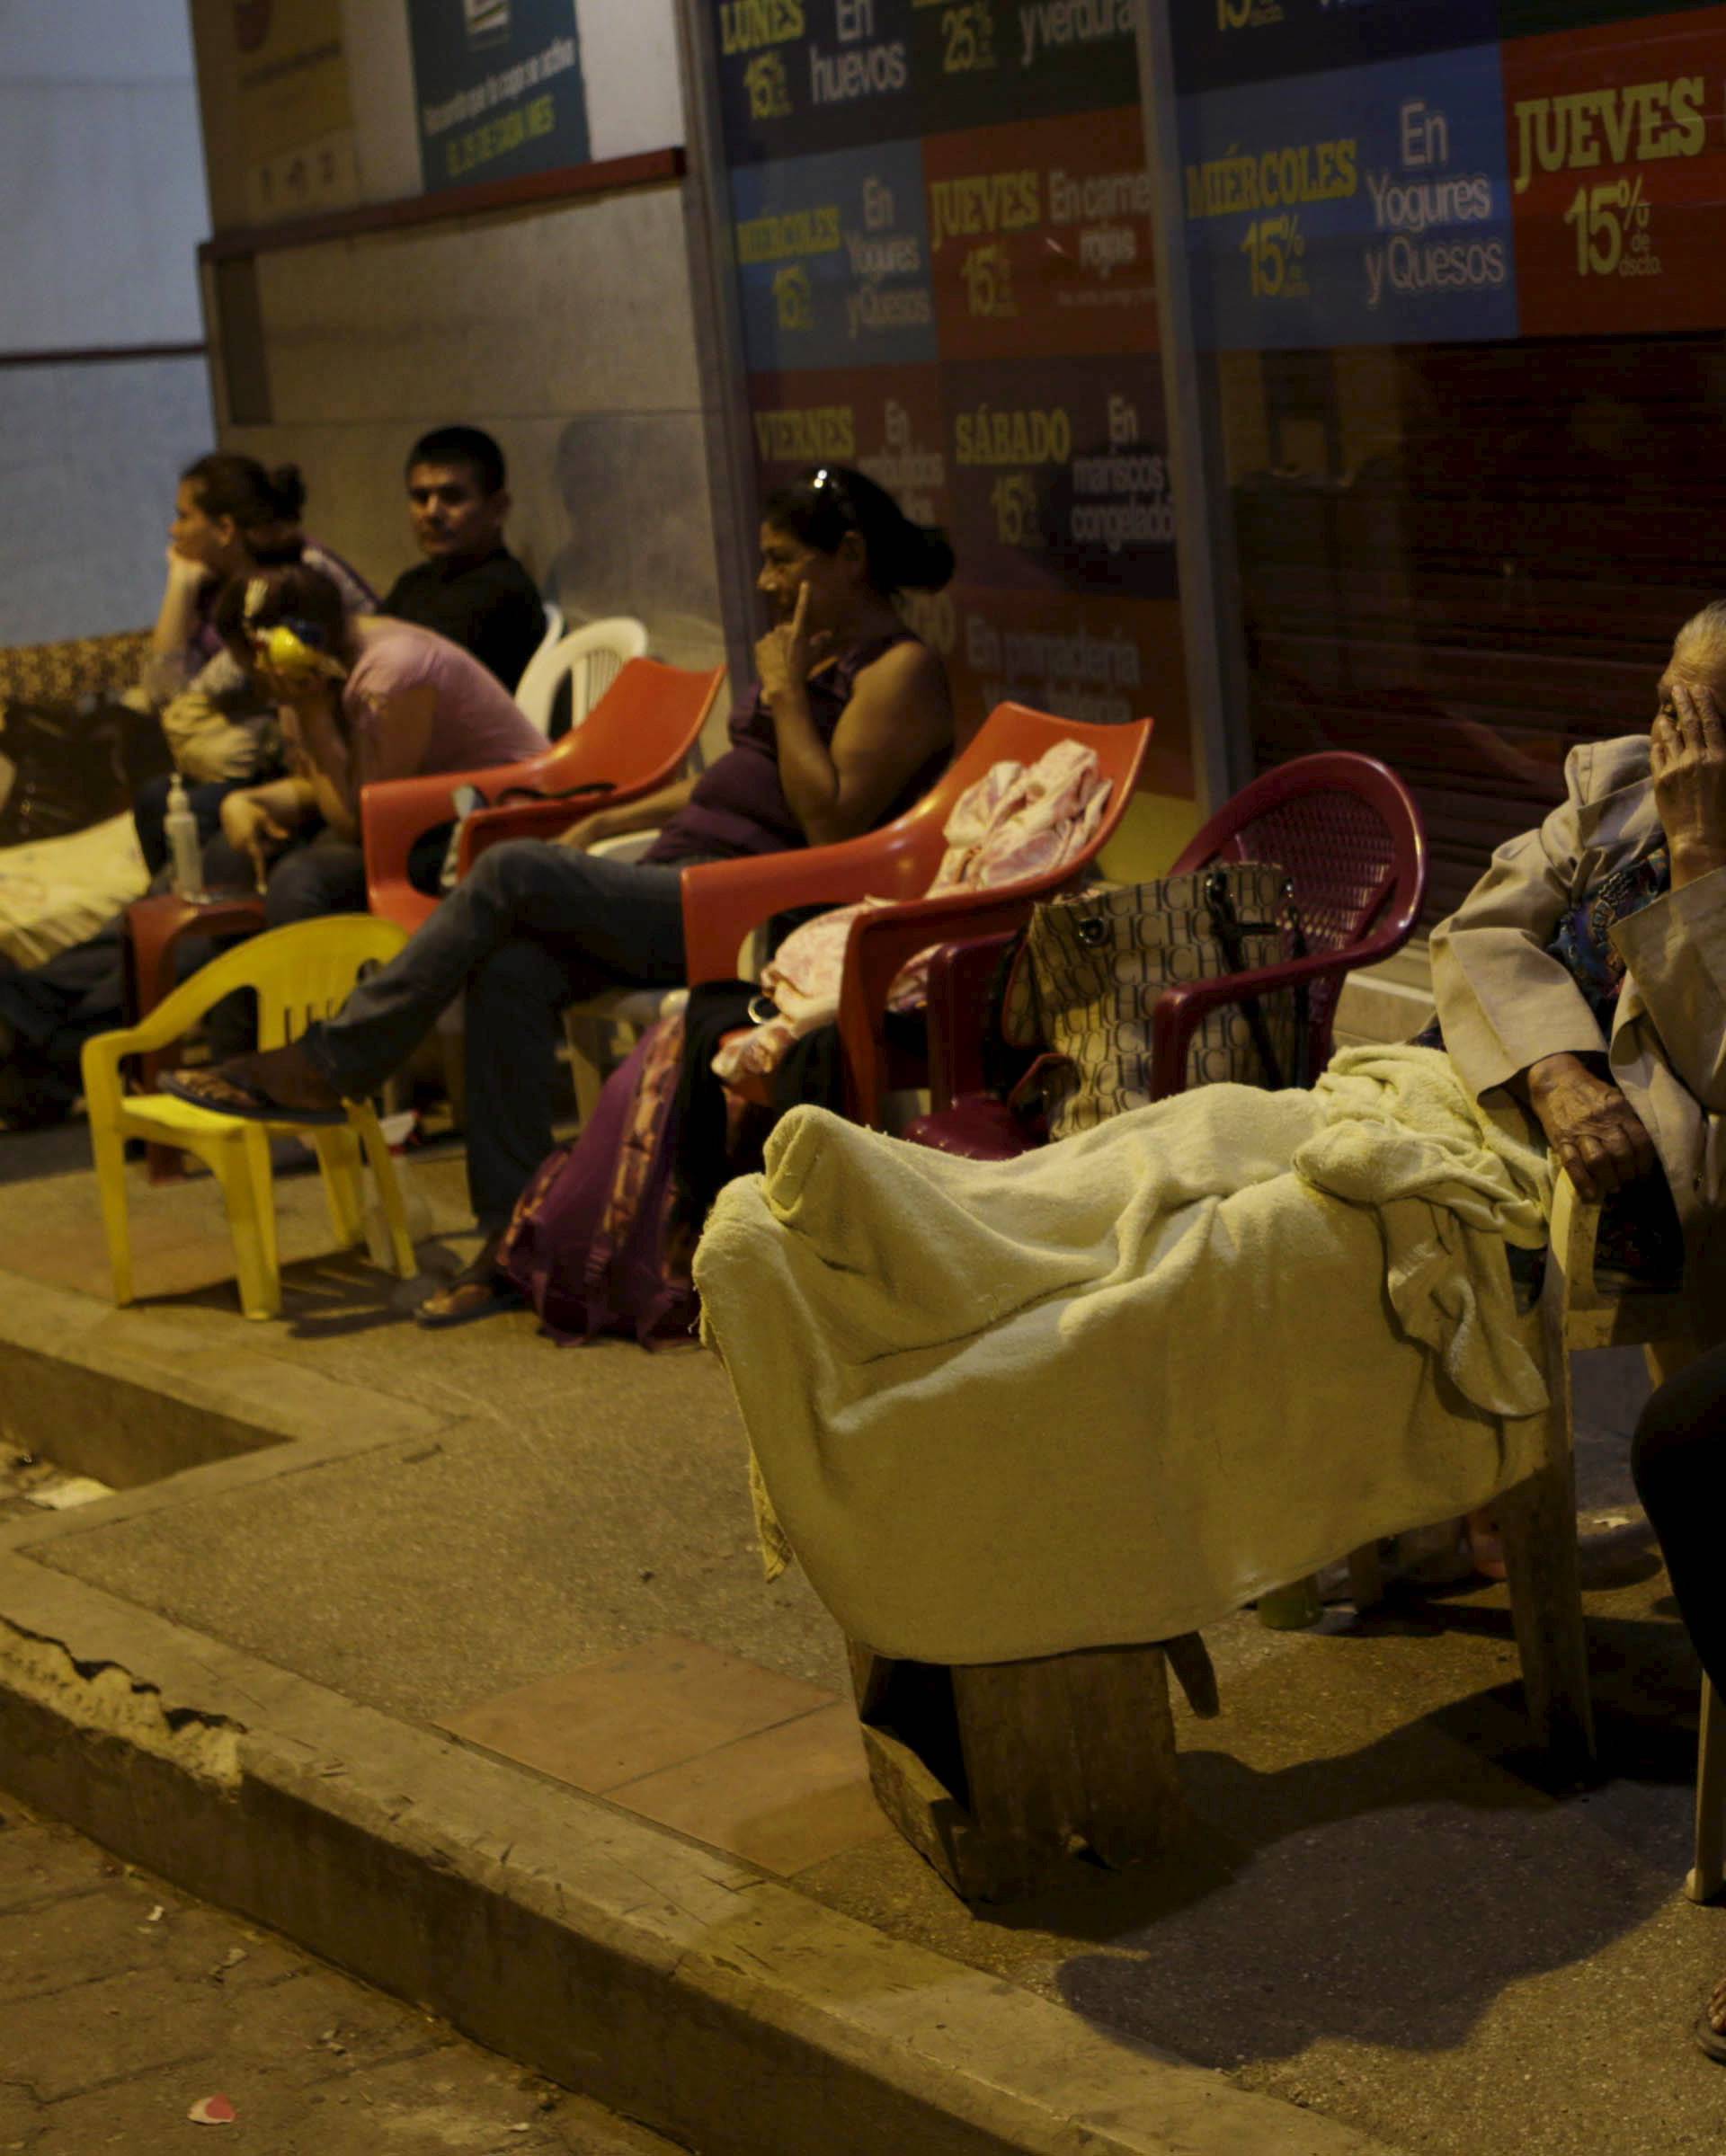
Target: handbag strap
<point x="1228" y="926"/>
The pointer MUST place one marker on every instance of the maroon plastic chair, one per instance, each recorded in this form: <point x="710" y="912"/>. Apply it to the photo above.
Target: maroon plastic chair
<point x="1350" y="835"/>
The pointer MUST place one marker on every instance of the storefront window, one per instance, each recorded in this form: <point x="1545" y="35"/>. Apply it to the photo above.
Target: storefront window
<point x="1456" y="309"/>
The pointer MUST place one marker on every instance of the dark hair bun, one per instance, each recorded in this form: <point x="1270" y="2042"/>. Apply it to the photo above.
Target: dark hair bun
<point x="926" y="559"/>
<point x="290" y="491"/>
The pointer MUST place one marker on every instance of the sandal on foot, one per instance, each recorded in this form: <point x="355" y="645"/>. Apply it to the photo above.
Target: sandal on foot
<point x="238" y="1088"/>
<point x="1710" y="2040"/>
<point x="478" y="1291"/>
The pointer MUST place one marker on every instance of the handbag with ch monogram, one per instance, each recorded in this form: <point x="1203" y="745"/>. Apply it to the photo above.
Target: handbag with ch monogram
<point x="1088" y="975"/>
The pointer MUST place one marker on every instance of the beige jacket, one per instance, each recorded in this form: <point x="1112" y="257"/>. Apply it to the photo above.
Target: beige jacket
<point x="1504" y="1003"/>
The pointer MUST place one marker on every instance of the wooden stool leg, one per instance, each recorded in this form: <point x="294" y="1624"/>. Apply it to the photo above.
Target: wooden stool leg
<point x="1537" y="1526"/>
<point x="1708" y="1874"/>
<point x="997" y="1773"/>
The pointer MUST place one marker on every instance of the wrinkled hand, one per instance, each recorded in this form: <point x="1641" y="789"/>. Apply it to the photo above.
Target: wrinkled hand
<point x="1687" y="755"/>
<point x="784" y="656"/>
<point x="1595" y="1134"/>
<point x="251" y="830"/>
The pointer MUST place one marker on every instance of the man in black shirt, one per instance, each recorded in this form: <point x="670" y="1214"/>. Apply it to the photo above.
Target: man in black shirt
<point x="470" y="588"/>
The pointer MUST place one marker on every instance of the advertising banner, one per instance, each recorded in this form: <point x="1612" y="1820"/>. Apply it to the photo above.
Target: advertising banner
<point x="1222" y="42"/>
<point x="832" y="260"/>
<point x="1368" y="206"/>
<point x="796" y="76"/>
<point x="1040" y="238"/>
<point x="1101" y="660"/>
<point x="1059" y="473"/>
<point x="498" y="89"/>
<point x="1617" y="159"/>
<point x="942" y="243"/>
<point x="293" y="111"/>
<point x="886" y="420"/>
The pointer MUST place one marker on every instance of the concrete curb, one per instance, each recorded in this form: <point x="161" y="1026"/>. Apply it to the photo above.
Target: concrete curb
<point x="676" y="1985"/>
<point x="133" y="1396"/>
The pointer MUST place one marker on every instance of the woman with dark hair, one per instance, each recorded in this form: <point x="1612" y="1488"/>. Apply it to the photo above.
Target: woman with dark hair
<point x="361" y="699"/>
<point x="230" y="518"/>
<point x="850" y="725"/>
<point x="62" y="900"/>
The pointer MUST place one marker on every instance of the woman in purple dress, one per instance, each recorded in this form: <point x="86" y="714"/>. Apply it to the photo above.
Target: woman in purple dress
<point x="850" y="725"/>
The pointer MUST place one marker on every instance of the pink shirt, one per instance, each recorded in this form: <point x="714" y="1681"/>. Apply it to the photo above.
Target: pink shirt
<point x="477" y="722"/>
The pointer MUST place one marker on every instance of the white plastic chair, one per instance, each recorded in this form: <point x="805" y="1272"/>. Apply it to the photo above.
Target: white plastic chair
<point x="590" y="658"/>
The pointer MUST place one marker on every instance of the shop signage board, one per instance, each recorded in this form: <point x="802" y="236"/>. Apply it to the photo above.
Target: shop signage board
<point x="497" y="88"/>
<point x="286" y="77"/>
<point x="1219" y="42"/>
<point x="1617" y="149"/>
<point x="941" y="238"/>
<point x="1366" y="206"/>
<point x="1371" y="171"/>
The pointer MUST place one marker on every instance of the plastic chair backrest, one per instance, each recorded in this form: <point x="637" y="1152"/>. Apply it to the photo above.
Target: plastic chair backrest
<point x="304" y="971"/>
<point x="1350" y="835"/>
<point x="638" y="732"/>
<point x="913" y="845"/>
<point x="589" y="657"/>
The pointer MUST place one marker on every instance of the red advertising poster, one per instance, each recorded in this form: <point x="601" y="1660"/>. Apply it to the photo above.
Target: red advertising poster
<point x="886" y="420"/>
<point x="1039" y="238"/>
<point x="1101" y="661"/>
<point x="1617" y="160"/>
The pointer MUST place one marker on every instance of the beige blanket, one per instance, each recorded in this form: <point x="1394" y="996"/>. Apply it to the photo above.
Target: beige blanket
<point x="1113" y="1389"/>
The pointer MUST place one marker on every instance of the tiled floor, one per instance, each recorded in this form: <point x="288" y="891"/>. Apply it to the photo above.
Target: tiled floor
<point x="734" y="1755"/>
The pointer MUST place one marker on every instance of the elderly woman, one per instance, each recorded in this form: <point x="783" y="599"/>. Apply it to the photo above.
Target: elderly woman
<point x="1587" y="975"/>
<point x="1586" y="972"/>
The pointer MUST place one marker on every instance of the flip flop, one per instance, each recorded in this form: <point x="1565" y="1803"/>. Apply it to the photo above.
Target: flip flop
<point x="255" y="1105"/>
<point x="1710" y="2040"/>
<point x="496" y="1294"/>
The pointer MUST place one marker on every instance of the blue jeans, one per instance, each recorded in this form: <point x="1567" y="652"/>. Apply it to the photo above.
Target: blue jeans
<point x="534" y="929"/>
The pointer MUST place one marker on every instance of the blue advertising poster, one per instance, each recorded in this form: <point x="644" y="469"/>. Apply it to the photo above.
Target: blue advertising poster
<point x="800" y="76"/>
<point x="1365" y="206"/>
<point x="1222" y="42"/>
<point x="832" y="260"/>
<point x="497" y="89"/>
<point x="797" y="76"/>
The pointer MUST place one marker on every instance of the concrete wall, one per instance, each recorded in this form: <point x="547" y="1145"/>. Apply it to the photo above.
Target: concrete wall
<point x="568" y="333"/>
<point x="101" y="174"/>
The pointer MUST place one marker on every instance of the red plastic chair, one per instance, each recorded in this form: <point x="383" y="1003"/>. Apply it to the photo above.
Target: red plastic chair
<point x="725" y="901"/>
<point x="633" y="739"/>
<point x="1348" y="831"/>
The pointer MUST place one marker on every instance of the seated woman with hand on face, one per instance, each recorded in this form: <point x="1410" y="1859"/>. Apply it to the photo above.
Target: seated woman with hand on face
<point x="361" y="699"/>
<point x="1584" y="973"/>
<point x="849" y="728"/>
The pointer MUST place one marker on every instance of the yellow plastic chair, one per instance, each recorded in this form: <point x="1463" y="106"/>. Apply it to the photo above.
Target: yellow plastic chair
<point x="301" y="972"/>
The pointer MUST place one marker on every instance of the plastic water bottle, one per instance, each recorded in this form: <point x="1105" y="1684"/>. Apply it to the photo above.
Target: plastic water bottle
<point x="180" y="828"/>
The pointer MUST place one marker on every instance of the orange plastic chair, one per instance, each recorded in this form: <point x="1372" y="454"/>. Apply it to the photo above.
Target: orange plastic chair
<point x="633" y="739"/>
<point x="725" y="901"/>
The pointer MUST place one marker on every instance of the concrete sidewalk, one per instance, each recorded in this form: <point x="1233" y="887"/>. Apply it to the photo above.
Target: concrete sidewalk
<point x="1381" y="1931"/>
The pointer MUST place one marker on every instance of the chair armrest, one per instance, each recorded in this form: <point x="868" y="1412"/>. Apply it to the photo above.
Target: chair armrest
<point x="486" y="828"/>
<point x="1180" y="1010"/>
<point x="725" y="901"/>
<point x="395" y="811"/>
<point x="882" y="943"/>
<point x="960" y="975"/>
